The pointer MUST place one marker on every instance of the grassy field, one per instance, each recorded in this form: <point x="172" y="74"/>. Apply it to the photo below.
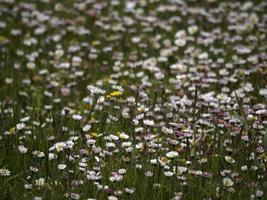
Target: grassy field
<point x="124" y="99"/>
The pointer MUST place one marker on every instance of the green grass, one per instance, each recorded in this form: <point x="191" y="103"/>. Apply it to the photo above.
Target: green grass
<point x="164" y="97"/>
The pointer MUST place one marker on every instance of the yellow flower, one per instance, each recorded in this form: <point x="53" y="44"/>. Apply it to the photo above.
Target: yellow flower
<point x="115" y="94"/>
<point x="163" y="161"/>
<point x="12" y="131"/>
<point x="92" y="120"/>
<point x="94" y="134"/>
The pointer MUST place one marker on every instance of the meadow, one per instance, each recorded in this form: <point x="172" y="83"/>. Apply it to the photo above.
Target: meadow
<point x="141" y="100"/>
